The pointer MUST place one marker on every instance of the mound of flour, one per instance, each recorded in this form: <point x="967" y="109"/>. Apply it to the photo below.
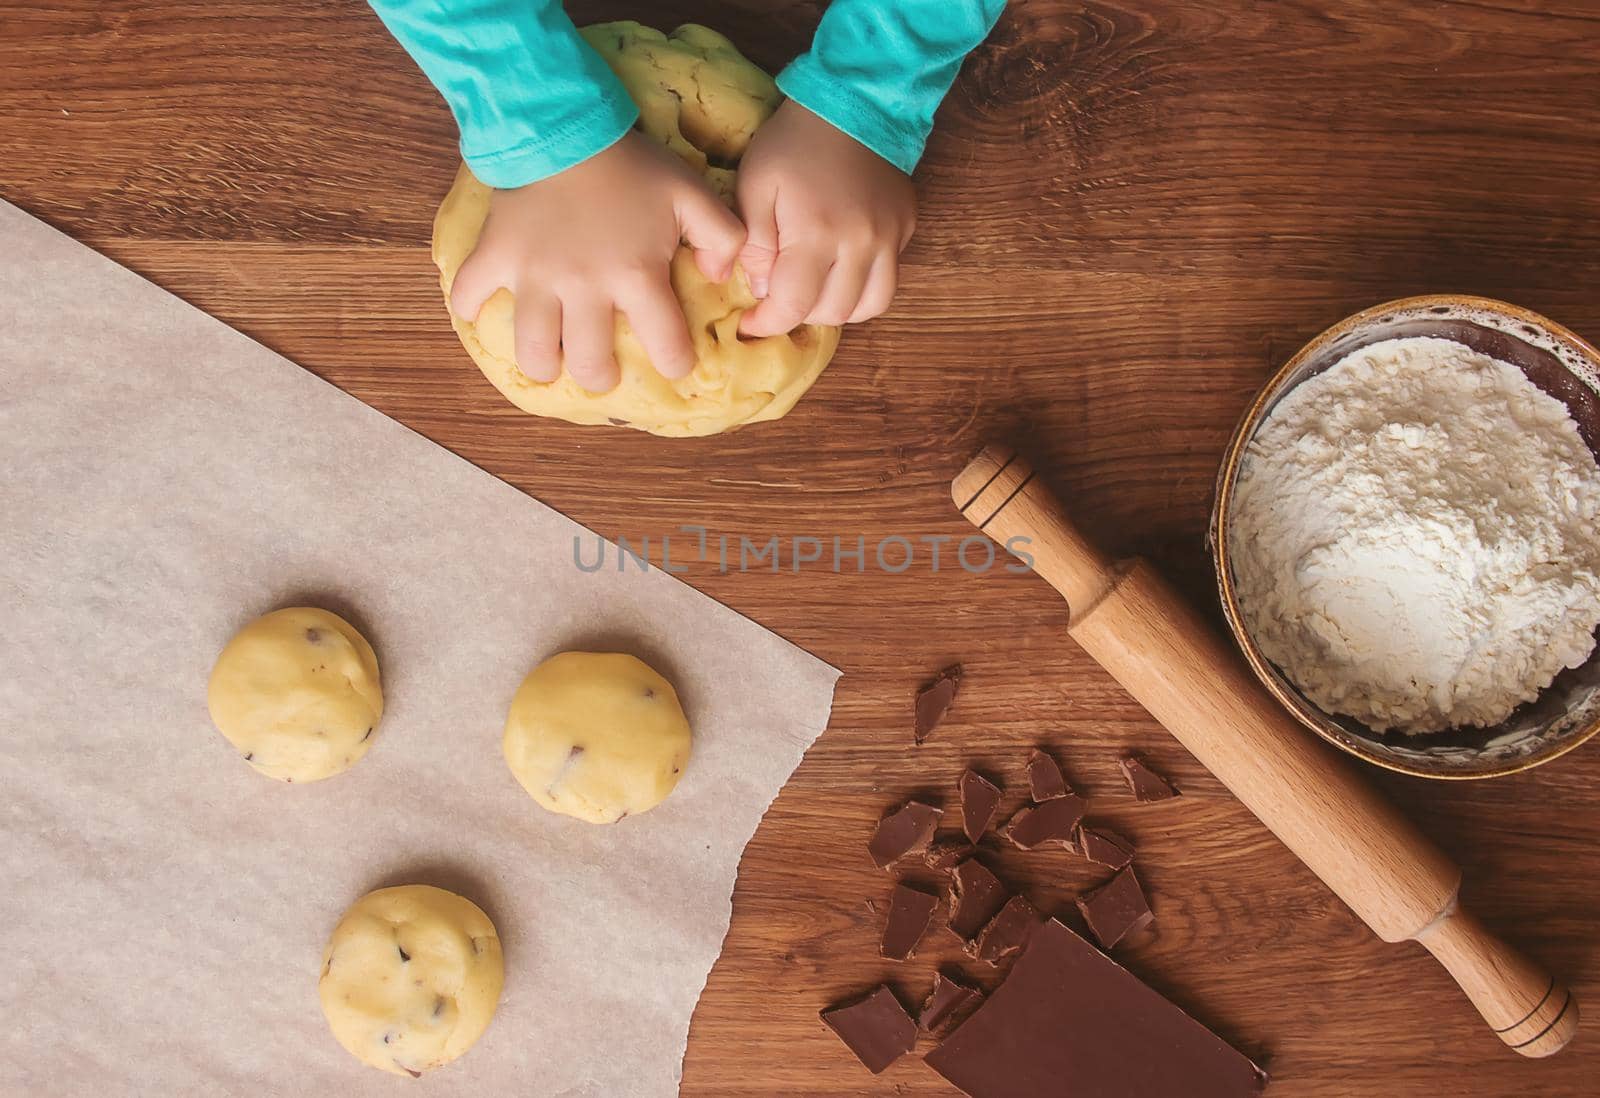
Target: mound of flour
<point x="1415" y="537"/>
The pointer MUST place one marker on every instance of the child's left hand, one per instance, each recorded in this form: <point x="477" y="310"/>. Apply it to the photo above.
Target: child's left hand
<point x="827" y="219"/>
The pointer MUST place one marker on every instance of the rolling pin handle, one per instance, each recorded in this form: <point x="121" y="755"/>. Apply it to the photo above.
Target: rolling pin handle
<point x="1528" y="1009"/>
<point x="999" y="494"/>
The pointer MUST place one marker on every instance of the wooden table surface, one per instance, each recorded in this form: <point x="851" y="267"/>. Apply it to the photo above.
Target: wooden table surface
<point x="1131" y="213"/>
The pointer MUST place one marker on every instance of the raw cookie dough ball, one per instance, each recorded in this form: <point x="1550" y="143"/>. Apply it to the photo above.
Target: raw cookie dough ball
<point x="596" y="735"/>
<point x="297" y="692"/>
<point x="700" y="98"/>
<point x="410" y="978"/>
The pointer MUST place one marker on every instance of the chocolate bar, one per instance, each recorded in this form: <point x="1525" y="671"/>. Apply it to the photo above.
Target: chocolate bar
<point x="1068" y="1020"/>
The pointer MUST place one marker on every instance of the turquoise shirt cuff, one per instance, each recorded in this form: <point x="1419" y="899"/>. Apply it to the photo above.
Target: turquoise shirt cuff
<point x="546" y="153"/>
<point x="878" y="70"/>
<point x="839" y="104"/>
<point x="530" y="96"/>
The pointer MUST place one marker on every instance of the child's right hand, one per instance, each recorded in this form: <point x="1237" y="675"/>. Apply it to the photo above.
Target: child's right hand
<point x="594" y="239"/>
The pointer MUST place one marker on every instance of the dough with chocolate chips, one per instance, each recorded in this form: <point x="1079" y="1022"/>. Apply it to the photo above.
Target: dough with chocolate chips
<point x="703" y="100"/>
<point x="596" y="735"/>
<point x="411" y="978"/>
<point x="297" y="694"/>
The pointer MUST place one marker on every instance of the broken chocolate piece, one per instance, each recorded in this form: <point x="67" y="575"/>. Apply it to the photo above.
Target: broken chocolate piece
<point x="1106" y="847"/>
<point x="1052" y="821"/>
<point x="1069" y="1020"/>
<point x="910" y="911"/>
<point x="947" y="851"/>
<point x="1045" y="780"/>
<point x="1116" y="909"/>
<point x="976" y="896"/>
<point x="877" y="1029"/>
<point x="906" y="830"/>
<point x="979" y="799"/>
<point x="1145" y="783"/>
<point x="1006" y="933"/>
<point x="947" y="1005"/>
<point x="934" y="699"/>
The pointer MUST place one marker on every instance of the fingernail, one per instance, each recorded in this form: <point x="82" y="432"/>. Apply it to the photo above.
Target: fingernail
<point x="758" y="287"/>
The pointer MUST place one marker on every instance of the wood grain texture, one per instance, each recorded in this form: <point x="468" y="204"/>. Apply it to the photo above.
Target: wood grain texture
<point x="1132" y="211"/>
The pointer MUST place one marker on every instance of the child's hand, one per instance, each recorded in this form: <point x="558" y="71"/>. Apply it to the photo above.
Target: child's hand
<point x="592" y="239"/>
<point x="827" y="219"/>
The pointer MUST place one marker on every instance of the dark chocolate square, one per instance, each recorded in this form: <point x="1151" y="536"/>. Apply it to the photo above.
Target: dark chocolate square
<point x="877" y="1029"/>
<point x="1116" y="909"/>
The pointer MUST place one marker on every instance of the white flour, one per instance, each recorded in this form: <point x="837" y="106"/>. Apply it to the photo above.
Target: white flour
<point x="1415" y="537"/>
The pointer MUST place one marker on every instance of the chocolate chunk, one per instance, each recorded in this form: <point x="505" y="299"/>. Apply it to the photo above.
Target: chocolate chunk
<point x="1069" y="1020"/>
<point x="934" y="699"/>
<point x="947" y="851"/>
<point x="1052" y="821"/>
<point x="910" y="910"/>
<point x="976" y="895"/>
<point x="1045" y="779"/>
<point x="1006" y="933"/>
<point x="1145" y="783"/>
<point x="947" y="1005"/>
<point x="1106" y="847"/>
<point x="906" y="830"/>
<point x="404" y="956"/>
<point x="877" y="1029"/>
<point x="1116" y="909"/>
<point x="979" y="799"/>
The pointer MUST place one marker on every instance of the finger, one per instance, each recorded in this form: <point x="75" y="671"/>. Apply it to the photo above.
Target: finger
<point x="476" y="282"/>
<point x="797" y="278"/>
<point x="759" y="212"/>
<point x="587" y="327"/>
<point x="711" y="229"/>
<point x="842" y="290"/>
<point x="657" y="319"/>
<point x="879" y="290"/>
<point x="537" y="323"/>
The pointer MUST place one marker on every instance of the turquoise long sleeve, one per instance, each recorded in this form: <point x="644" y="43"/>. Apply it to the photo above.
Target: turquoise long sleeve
<point x="878" y="69"/>
<point x="530" y="96"/>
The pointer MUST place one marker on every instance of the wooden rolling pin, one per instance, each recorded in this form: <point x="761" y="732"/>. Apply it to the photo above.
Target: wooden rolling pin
<point x="1175" y="665"/>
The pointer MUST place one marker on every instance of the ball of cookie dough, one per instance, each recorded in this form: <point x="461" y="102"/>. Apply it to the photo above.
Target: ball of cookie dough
<point x="297" y="693"/>
<point x="701" y="99"/>
<point x="596" y="735"/>
<point x="411" y="978"/>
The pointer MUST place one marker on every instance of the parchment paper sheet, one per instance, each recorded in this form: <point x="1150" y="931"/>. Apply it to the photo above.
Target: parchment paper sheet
<point x="163" y="908"/>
